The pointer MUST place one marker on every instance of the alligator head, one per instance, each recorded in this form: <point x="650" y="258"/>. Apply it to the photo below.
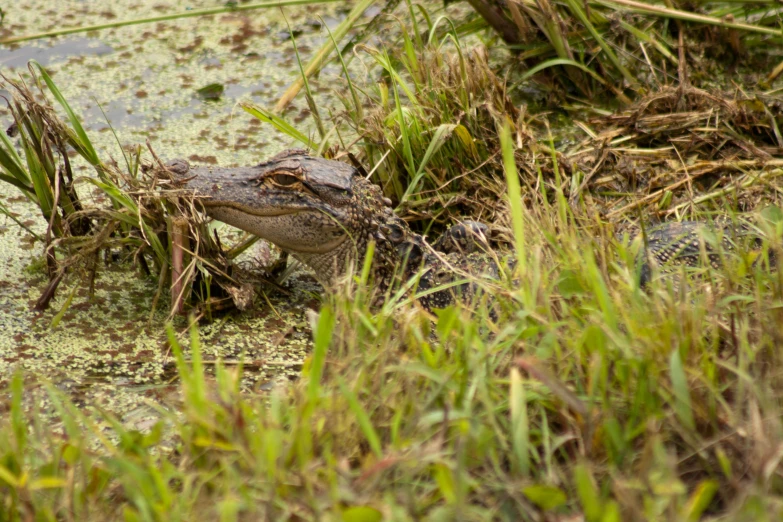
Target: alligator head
<point x="322" y="212"/>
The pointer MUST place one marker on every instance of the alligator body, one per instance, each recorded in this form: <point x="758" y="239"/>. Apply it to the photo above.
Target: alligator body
<point x="325" y="214"/>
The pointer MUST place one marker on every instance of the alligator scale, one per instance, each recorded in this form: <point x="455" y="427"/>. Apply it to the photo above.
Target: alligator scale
<point x="325" y="214"/>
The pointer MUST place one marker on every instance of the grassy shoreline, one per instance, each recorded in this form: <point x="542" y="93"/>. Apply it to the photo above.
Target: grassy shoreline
<point x="587" y="398"/>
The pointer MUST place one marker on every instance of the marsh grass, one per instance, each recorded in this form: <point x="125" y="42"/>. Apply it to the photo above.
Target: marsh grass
<point x="583" y="51"/>
<point x="586" y="397"/>
<point x="581" y="397"/>
<point x="589" y="49"/>
<point x="429" y="126"/>
<point x="148" y="219"/>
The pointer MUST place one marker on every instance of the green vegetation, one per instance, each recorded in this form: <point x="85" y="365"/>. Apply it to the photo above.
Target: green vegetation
<point x="586" y="397"/>
<point x="599" y="46"/>
<point x="148" y="220"/>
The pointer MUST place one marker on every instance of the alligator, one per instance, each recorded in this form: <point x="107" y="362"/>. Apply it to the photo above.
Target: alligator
<point x="326" y="214"/>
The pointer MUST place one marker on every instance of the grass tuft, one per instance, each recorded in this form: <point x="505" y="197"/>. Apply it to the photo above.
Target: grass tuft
<point x="145" y="201"/>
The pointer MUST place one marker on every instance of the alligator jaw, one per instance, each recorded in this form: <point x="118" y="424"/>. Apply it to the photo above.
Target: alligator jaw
<point x="216" y="205"/>
<point x="283" y="227"/>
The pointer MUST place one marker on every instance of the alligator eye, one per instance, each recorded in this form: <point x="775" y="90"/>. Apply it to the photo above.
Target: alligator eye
<point x="285" y="179"/>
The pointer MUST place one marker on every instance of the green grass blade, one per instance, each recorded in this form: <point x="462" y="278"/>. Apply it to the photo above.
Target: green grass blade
<point x="415" y="25"/>
<point x="229" y="7"/>
<point x="356" y="103"/>
<point x="199" y="391"/>
<point x="562" y="61"/>
<point x="439" y="138"/>
<point x="588" y="493"/>
<point x="514" y="194"/>
<point x="43" y="190"/>
<point x="18" y="424"/>
<point x="279" y="123"/>
<point x="362" y="418"/>
<point x="676" y="14"/>
<point x="308" y="93"/>
<point x="700" y="500"/>
<point x="520" y="429"/>
<point x="648" y="38"/>
<point x="323" y="53"/>
<point x="385" y="61"/>
<point x="13" y="165"/>
<point x="124" y="200"/>
<point x="404" y="130"/>
<point x="28" y="190"/>
<point x="682" y="397"/>
<point x="116" y="138"/>
<point x="10" y="215"/>
<point x="577" y="9"/>
<point x="57" y="318"/>
<point x="323" y="338"/>
<point x="81" y="142"/>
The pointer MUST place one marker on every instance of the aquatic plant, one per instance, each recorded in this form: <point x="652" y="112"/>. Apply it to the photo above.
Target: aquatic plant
<point x="148" y="220"/>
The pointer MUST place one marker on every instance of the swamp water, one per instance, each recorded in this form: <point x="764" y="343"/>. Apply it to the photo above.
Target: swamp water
<point x="108" y="351"/>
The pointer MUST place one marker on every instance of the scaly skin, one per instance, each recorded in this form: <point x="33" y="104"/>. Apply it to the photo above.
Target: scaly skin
<point x="325" y="214"/>
<point x="672" y="245"/>
<point x="321" y="212"/>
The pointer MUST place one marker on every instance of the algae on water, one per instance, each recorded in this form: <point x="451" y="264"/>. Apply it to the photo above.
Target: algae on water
<point x="146" y="79"/>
